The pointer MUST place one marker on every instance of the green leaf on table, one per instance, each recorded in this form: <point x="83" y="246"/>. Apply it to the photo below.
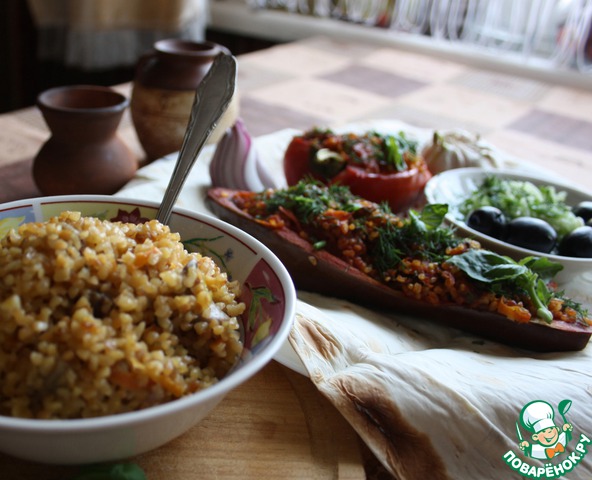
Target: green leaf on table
<point x="118" y="471"/>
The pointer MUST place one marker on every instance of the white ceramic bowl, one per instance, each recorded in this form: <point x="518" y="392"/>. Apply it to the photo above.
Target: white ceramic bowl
<point x="120" y="436"/>
<point x="453" y="186"/>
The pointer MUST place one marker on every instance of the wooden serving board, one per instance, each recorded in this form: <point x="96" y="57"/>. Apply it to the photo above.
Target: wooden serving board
<point x="276" y="425"/>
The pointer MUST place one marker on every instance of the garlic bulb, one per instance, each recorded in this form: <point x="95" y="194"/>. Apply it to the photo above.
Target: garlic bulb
<point x="458" y="149"/>
<point x="236" y="164"/>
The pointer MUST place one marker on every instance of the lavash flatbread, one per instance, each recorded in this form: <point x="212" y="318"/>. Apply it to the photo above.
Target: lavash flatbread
<point x="433" y="402"/>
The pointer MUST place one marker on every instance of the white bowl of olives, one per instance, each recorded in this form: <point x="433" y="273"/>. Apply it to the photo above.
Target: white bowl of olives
<point x="519" y="214"/>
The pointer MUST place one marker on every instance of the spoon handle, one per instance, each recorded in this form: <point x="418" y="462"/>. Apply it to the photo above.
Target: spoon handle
<point x="212" y="97"/>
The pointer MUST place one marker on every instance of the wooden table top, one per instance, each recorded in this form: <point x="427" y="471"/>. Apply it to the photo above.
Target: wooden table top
<point x="323" y="82"/>
<point x="278" y="421"/>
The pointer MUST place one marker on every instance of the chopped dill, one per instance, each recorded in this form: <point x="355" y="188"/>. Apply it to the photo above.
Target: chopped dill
<point x="309" y="199"/>
<point x="580" y="310"/>
<point x="419" y="236"/>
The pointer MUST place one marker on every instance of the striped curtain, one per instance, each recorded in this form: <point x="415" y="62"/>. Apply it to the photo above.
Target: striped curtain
<point x="558" y="31"/>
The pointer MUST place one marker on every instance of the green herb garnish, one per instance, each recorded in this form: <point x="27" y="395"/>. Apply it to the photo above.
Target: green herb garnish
<point x="500" y="272"/>
<point x="390" y="239"/>
<point x="308" y="199"/>
<point x="386" y="151"/>
<point x="419" y="236"/>
<point x="396" y="146"/>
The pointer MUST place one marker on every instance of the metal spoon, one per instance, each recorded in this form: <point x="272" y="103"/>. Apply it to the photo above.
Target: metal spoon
<point x="212" y="97"/>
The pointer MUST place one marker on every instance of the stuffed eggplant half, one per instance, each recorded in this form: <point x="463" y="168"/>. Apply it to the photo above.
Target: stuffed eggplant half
<point x="337" y="244"/>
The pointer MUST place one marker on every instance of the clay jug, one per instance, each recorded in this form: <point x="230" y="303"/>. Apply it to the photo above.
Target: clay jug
<point x="84" y="154"/>
<point x="164" y="90"/>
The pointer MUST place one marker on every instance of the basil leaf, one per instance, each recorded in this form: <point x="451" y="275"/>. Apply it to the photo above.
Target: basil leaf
<point x="433" y="215"/>
<point x="487" y="267"/>
<point x="542" y="266"/>
<point x="491" y="268"/>
<point x="543" y="292"/>
<point x="416" y="223"/>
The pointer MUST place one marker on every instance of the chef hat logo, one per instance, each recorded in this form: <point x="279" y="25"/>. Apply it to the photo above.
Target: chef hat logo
<point x="537" y="416"/>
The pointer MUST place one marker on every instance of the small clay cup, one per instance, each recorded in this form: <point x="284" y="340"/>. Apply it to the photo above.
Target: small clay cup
<point x="84" y="154"/>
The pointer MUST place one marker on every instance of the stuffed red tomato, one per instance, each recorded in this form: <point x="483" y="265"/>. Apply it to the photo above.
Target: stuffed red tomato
<point x="378" y="167"/>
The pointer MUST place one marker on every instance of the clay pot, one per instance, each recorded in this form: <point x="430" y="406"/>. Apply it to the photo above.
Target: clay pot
<point x="84" y="154"/>
<point x="164" y="90"/>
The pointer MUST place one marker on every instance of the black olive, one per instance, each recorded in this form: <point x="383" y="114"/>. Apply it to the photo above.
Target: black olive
<point x="488" y="220"/>
<point x="577" y="243"/>
<point x="532" y="233"/>
<point x="584" y="210"/>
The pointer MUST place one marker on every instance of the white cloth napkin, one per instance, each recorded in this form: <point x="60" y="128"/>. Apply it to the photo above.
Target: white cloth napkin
<point x="431" y="402"/>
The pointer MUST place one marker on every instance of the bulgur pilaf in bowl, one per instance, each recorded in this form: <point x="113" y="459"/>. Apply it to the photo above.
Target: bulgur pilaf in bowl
<point x="117" y="333"/>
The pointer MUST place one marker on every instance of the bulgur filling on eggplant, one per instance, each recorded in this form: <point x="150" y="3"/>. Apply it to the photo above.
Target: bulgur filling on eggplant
<point x="414" y="254"/>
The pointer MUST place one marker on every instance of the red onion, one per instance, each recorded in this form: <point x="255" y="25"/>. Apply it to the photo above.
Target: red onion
<point x="236" y="164"/>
